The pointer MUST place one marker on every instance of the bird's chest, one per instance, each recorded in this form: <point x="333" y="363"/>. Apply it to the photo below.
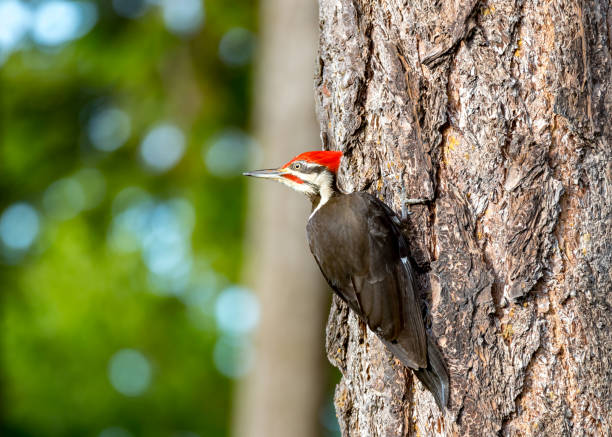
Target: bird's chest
<point x="337" y="238"/>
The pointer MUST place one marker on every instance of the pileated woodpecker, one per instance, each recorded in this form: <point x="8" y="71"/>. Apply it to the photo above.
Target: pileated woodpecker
<point x="357" y="243"/>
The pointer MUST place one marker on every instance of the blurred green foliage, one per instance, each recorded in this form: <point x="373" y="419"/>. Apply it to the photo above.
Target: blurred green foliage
<point x="72" y="302"/>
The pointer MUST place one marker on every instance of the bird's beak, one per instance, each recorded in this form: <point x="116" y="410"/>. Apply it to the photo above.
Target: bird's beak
<point x="272" y="173"/>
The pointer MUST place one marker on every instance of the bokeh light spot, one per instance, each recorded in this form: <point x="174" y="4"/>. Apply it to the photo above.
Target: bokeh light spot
<point x="19" y="226"/>
<point x="183" y="17"/>
<point x="15" y="19"/>
<point x="201" y="297"/>
<point x="184" y="212"/>
<point x="131" y="209"/>
<point x="237" y="310"/>
<point x="164" y="254"/>
<point x="165" y="246"/>
<point x="58" y="22"/>
<point x="237" y="46"/>
<point x="64" y="199"/>
<point x="108" y="129"/>
<point x="129" y="372"/>
<point x="172" y="283"/>
<point x="129" y="197"/>
<point x="234" y="356"/>
<point x="161" y="231"/>
<point x="228" y="153"/>
<point x="163" y="147"/>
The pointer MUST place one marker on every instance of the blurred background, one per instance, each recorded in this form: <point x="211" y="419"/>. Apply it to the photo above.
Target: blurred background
<point x="146" y="288"/>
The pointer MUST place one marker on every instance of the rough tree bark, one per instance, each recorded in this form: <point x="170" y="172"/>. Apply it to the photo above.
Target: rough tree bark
<point x="500" y="113"/>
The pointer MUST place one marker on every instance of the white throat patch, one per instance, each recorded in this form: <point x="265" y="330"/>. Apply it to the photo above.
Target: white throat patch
<point x="324" y="181"/>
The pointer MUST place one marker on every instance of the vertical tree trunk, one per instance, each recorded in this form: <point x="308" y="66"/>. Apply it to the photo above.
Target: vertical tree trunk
<point x="286" y="387"/>
<point x="500" y="113"/>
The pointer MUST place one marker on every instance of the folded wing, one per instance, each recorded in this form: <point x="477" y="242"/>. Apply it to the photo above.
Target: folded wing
<point x="363" y="256"/>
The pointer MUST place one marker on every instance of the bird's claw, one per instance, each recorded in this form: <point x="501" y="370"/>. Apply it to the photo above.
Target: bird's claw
<point x="416" y="201"/>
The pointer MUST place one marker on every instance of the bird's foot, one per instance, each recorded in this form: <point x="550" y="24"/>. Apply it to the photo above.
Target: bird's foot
<point x="416" y="201"/>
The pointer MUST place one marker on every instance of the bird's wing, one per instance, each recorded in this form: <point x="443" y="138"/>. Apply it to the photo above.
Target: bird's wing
<point x="366" y="270"/>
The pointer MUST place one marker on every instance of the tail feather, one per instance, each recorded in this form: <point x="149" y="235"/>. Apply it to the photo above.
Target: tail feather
<point x="435" y="376"/>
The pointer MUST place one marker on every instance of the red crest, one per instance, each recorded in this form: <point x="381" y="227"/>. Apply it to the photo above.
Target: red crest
<point x="329" y="159"/>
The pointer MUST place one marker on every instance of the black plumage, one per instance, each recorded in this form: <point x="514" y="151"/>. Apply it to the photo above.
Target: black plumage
<point x="357" y="243"/>
<point x="362" y="253"/>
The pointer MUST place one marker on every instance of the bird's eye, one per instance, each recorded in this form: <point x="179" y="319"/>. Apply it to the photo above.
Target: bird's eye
<point x="296" y="166"/>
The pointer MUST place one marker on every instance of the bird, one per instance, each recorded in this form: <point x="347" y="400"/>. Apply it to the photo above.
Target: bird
<point x="357" y="242"/>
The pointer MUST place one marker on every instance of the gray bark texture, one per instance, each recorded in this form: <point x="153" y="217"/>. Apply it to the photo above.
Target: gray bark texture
<point x="500" y="114"/>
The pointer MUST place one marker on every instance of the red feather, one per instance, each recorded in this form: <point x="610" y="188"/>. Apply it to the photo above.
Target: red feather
<point x="293" y="178"/>
<point x="329" y="159"/>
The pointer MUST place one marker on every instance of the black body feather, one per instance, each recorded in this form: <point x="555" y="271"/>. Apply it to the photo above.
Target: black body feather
<point x="362" y="253"/>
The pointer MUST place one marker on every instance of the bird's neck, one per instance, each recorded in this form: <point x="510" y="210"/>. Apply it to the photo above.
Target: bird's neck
<point x="325" y="192"/>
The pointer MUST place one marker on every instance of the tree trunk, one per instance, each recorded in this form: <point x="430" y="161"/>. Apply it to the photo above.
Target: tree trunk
<point x="285" y="390"/>
<point x="500" y="114"/>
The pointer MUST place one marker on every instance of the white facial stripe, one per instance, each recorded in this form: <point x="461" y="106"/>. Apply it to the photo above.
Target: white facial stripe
<point x="306" y="177"/>
<point x="323" y="180"/>
<point x="303" y="188"/>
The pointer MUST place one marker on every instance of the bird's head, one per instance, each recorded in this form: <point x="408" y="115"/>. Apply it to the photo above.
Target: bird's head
<point x="312" y="173"/>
